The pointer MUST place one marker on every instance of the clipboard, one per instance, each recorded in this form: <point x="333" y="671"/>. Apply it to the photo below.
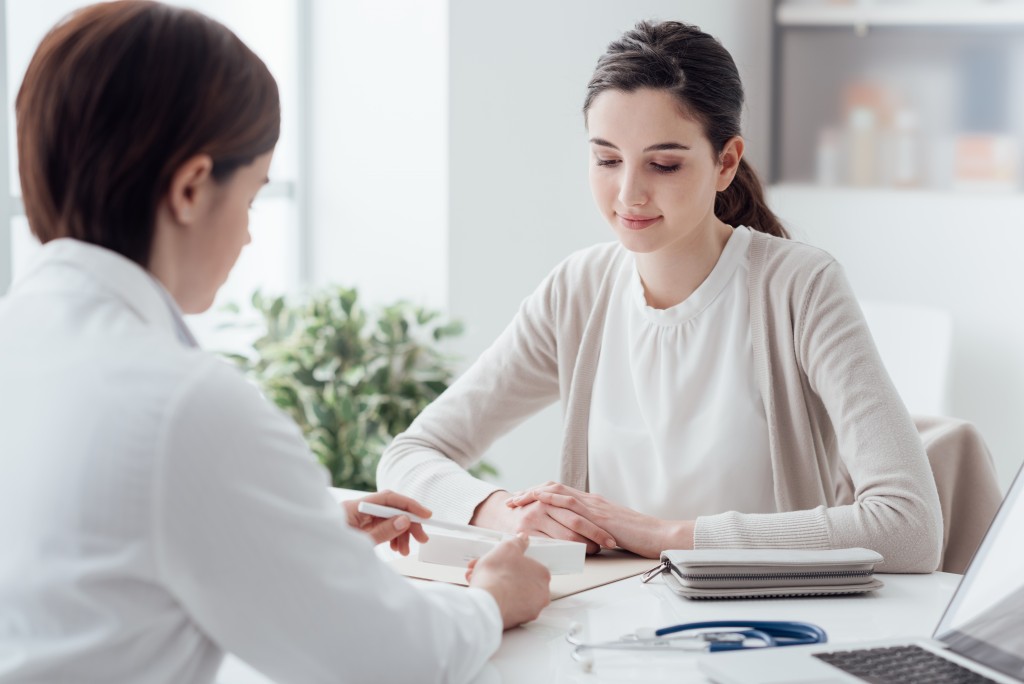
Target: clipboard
<point x="600" y="569"/>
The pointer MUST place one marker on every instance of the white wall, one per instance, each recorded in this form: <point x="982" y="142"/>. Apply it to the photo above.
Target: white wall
<point x="519" y="198"/>
<point x="6" y="124"/>
<point x="378" y="192"/>
<point x="959" y="252"/>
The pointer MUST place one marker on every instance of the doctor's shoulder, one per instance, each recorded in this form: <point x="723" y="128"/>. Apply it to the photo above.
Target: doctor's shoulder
<point x="214" y="395"/>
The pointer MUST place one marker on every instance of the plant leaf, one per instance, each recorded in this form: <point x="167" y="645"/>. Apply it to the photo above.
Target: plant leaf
<point x="350" y="377"/>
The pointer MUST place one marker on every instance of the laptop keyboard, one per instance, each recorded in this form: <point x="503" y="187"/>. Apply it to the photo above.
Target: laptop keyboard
<point x="901" y="665"/>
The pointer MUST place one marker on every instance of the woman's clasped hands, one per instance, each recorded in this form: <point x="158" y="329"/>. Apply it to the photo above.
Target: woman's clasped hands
<point x="562" y="512"/>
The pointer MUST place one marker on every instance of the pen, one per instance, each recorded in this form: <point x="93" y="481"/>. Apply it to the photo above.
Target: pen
<point x="379" y="511"/>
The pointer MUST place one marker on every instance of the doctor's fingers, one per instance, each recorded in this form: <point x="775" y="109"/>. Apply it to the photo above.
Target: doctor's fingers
<point x="401" y="544"/>
<point x="469" y="569"/>
<point x="387" y="497"/>
<point x="578" y="520"/>
<point x="395" y="529"/>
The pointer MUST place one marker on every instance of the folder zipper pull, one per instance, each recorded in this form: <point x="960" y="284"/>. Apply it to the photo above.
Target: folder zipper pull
<point x="655" y="571"/>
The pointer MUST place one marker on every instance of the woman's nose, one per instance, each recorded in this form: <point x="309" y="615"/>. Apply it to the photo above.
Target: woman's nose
<point x="632" y="193"/>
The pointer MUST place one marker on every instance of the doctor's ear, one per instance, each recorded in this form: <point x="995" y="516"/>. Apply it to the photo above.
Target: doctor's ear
<point x="188" y="184"/>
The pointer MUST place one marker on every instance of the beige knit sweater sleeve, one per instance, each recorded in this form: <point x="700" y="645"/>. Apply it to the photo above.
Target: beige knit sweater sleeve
<point x="829" y="394"/>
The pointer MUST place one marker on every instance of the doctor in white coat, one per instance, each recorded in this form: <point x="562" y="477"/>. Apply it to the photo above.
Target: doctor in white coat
<point x="155" y="510"/>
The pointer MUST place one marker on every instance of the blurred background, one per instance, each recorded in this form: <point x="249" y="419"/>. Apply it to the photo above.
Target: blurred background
<point x="434" y="151"/>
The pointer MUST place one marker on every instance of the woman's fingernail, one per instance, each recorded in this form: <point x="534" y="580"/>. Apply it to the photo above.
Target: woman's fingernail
<point x="401" y="522"/>
<point x="609" y="543"/>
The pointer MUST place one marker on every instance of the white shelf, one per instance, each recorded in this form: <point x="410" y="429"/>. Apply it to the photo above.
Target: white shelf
<point x="932" y="14"/>
<point x="807" y="208"/>
<point x="923" y="196"/>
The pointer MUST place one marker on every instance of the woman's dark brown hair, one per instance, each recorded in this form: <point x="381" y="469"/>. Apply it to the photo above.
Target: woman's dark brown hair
<point x="702" y="76"/>
<point x="117" y="96"/>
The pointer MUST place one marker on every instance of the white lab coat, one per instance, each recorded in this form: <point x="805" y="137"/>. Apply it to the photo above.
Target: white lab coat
<point x="156" y="511"/>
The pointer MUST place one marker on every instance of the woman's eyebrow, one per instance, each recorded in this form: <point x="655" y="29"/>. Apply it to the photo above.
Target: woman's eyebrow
<point x="650" y="148"/>
<point x="666" y="146"/>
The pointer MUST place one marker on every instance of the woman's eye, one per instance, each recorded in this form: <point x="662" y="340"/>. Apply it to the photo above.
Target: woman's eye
<point x="607" y="162"/>
<point x="661" y="168"/>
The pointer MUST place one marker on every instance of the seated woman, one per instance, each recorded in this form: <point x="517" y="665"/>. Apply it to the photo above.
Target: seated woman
<point x="717" y="379"/>
<point x="155" y="510"/>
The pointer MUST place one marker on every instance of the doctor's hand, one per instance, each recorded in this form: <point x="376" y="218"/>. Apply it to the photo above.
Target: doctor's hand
<point x="397" y="529"/>
<point x="519" y="585"/>
<point x="540" y="519"/>
<point x="642" y="534"/>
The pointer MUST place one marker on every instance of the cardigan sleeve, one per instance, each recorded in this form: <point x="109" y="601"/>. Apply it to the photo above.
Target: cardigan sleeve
<point x="895" y="508"/>
<point x="514" y="378"/>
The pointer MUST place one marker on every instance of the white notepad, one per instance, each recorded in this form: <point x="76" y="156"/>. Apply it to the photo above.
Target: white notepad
<point x="459" y="548"/>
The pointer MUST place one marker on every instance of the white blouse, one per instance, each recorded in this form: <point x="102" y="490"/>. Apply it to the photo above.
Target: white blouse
<point x="677" y="427"/>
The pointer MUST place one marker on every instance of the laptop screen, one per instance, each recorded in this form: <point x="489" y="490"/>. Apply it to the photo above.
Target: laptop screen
<point x="985" y="619"/>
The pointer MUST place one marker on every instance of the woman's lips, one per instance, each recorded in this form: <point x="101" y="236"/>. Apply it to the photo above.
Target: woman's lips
<point x="636" y="222"/>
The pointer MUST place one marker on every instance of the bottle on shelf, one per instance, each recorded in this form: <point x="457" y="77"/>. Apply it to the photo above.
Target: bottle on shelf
<point x="985" y="153"/>
<point x="904" y="164"/>
<point x="866" y="106"/>
<point x="829" y="157"/>
<point x="985" y="162"/>
<point x="861" y="133"/>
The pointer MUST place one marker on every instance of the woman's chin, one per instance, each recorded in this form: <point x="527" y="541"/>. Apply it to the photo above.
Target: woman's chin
<point x="637" y="241"/>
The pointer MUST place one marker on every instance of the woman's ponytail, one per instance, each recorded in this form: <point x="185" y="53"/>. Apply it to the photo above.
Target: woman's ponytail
<point x="743" y="204"/>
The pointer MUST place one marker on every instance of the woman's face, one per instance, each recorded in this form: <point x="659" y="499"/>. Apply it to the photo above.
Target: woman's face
<point x="223" y="224"/>
<point x="652" y="173"/>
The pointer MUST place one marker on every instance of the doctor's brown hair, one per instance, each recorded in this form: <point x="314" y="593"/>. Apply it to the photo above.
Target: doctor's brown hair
<point x="701" y="74"/>
<point x="117" y="96"/>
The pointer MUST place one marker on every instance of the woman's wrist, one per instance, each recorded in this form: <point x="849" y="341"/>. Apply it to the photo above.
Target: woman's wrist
<point x="679" y="534"/>
<point x="492" y="512"/>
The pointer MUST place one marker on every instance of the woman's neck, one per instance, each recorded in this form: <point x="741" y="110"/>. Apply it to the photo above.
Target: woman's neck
<point x="671" y="274"/>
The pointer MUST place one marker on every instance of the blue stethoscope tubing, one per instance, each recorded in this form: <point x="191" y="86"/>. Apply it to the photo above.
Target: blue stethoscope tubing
<point x="769" y="632"/>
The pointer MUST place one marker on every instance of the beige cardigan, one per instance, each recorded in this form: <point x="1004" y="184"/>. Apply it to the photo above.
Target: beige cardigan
<point x="826" y="393"/>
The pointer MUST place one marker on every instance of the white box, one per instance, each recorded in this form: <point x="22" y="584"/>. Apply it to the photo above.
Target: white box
<point x="456" y="548"/>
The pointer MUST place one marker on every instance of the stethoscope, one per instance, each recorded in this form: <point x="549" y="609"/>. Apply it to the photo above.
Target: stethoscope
<point x="727" y="635"/>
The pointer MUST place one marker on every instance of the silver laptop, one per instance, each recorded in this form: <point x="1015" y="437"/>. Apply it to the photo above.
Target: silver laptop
<point x="980" y="637"/>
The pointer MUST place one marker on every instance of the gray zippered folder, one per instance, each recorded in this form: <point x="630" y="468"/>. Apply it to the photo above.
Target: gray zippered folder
<point x="764" y="573"/>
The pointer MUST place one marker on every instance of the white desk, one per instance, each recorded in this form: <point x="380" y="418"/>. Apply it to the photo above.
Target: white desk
<point x="538" y="652"/>
<point x="908" y="605"/>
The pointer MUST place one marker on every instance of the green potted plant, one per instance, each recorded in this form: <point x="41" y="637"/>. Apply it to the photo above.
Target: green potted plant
<point x="351" y="378"/>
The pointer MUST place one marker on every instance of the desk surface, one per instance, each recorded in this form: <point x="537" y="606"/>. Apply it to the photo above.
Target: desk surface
<point x="907" y="605"/>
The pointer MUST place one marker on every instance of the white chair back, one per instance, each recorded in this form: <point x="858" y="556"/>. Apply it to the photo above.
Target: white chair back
<point x="916" y="344"/>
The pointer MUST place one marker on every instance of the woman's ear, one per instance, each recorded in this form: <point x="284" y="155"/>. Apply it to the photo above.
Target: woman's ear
<point x="187" y="188"/>
<point x="729" y="162"/>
